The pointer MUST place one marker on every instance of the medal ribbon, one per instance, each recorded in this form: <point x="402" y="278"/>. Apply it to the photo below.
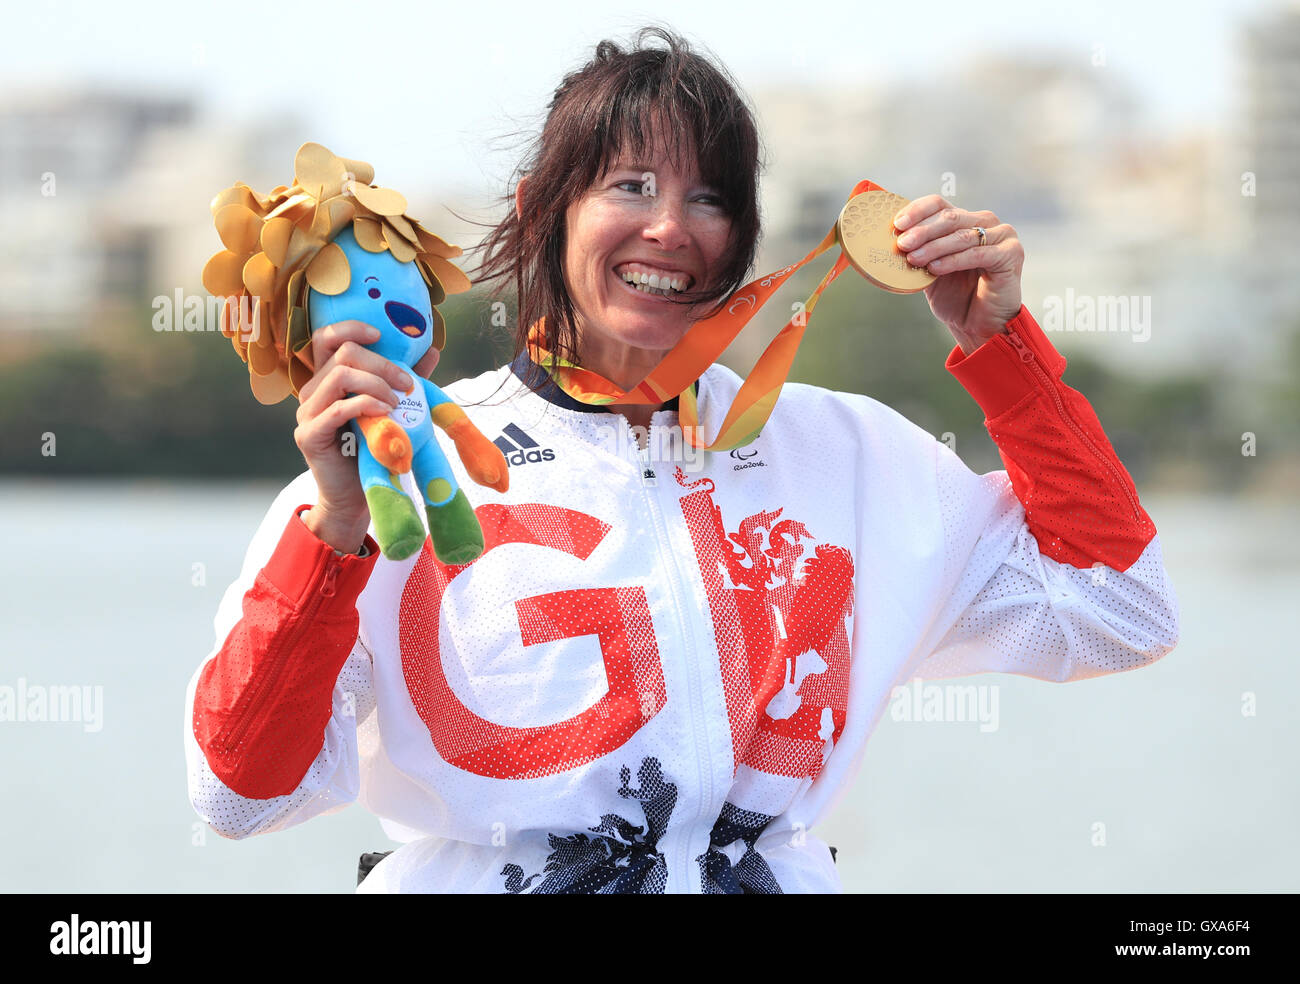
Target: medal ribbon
<point x="700" y="347"/>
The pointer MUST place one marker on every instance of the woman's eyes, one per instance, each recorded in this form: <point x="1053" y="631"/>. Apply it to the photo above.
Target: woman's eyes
<point x="636" y="187"/>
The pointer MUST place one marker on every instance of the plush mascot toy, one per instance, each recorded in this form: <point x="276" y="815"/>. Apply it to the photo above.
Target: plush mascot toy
<point x="332" y="247"/>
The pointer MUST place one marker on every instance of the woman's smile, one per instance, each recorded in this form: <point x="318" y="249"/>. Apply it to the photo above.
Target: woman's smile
<point x="643" y="235"/>
<point x="653" y="287"/>
<point x="654" y="280"/>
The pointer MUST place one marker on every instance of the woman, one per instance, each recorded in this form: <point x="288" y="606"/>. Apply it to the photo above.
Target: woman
<point x="663" y="669"/>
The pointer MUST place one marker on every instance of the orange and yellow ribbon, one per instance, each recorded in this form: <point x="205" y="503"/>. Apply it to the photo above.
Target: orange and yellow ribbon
<point x="700" y="347"/>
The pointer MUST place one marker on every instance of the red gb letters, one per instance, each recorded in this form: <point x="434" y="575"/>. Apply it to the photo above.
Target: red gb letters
<point x="779" y="620"/>
<point x="618" y="617"/>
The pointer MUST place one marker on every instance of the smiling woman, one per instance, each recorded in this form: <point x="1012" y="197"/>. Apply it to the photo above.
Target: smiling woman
<point x="629" y="254"/>
<point x="646" y="170"/>
<point x="663" y="669"/>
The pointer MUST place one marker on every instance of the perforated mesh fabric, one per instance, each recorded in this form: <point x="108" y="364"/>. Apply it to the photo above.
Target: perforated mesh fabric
<point x="739" y="622"/>
<point x="331" y="783"/>
<point x="251" y="613"/>
<point x="1035" y="616"/>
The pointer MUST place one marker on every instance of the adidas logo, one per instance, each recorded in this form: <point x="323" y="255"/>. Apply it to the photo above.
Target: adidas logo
<point x="524" y="450"/>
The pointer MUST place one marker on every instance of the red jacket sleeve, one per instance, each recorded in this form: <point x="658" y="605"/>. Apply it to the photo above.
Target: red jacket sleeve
<point x="1080" y="503"/>
<point x="1053" y="569"/>
<point x="262" y="702"/>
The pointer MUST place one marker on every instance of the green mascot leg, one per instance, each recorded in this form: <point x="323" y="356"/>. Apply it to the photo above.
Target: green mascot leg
<point x="397" y="525"/>
<point x="453" y="527"/>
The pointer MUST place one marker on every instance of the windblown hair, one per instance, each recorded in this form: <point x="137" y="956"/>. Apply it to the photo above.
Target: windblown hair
<point x="605" y="110"/>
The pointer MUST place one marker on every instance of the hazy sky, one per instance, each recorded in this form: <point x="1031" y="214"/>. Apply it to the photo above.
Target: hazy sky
<point x="435" y="82"/>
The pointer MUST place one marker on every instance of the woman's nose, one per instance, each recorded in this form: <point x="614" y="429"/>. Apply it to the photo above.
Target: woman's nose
<point x="668" y="225"/>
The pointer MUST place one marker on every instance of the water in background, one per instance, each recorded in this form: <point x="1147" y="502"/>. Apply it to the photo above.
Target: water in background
<point x="97" y="589"/>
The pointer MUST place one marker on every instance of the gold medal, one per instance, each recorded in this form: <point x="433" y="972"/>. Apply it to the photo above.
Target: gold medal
<point x="865" y="233"/>
<point x="867" y="236"/>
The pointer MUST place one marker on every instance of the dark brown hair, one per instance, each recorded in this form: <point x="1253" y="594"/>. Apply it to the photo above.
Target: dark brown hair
<point x="605" y="109"/>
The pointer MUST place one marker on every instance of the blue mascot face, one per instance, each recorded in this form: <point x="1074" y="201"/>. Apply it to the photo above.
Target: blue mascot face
<point x="383" y="292"/>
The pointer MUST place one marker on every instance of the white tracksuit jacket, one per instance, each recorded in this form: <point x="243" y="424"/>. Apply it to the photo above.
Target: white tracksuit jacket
<point x="663" y="670"/>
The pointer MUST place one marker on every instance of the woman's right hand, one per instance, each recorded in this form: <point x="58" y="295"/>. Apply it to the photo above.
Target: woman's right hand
<point x="349" y="381"/>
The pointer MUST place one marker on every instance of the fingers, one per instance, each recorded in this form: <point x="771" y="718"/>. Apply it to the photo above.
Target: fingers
<point x="940" y="221"/>
<point x="319" y="432"/>
<point x="344" y="341"/>
<point x="914" y="211"/>
<point x="326" y="341"/>
<point x="990" y="259"/>
<point x="931" y="210"/>
<point x="342" y="381"/>
<point x="428" y="362"/>
<point x="1002" y="252"/>
<point x="936" y="232"/>
<point x="933" y="250"/>
<point x="344" y="366"/>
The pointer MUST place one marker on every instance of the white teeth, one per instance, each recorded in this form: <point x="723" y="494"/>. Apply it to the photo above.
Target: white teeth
<point x="654" y="282"/>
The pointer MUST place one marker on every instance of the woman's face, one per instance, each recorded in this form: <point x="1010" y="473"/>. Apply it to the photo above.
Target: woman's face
<point x="644" y="220"/>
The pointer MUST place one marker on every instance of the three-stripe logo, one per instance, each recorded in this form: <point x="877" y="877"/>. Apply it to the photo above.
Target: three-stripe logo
<point x="519" y="448"/>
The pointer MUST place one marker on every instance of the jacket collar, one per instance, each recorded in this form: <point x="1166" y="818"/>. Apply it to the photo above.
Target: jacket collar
<point x="533" y="375"/>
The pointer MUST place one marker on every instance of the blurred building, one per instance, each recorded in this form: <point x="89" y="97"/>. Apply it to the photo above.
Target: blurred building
<point x="1107" y="205"/>
<point x="105" y="194"/>
<point x="105" y="200"/>
<point x="1270" y="135"/>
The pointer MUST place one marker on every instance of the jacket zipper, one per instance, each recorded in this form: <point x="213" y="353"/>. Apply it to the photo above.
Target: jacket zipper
<point x="697" y="710"/>
<point x="1027" y="356"/>
<point x="648" y="478"/>
<point x="235" y="733"/>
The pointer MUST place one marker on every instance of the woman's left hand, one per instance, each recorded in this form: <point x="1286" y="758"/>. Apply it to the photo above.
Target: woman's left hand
<point x="977" y="288"/>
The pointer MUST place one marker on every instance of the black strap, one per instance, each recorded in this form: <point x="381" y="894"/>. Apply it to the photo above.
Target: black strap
<point x="537" y="378"/>
<point x="367" y="864"/>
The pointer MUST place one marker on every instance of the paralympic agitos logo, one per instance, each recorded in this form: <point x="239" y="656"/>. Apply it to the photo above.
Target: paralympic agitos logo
<point x="743" y="455"/>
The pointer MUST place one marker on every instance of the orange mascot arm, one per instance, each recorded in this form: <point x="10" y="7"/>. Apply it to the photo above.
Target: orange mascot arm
<point x="482" y="459"/>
